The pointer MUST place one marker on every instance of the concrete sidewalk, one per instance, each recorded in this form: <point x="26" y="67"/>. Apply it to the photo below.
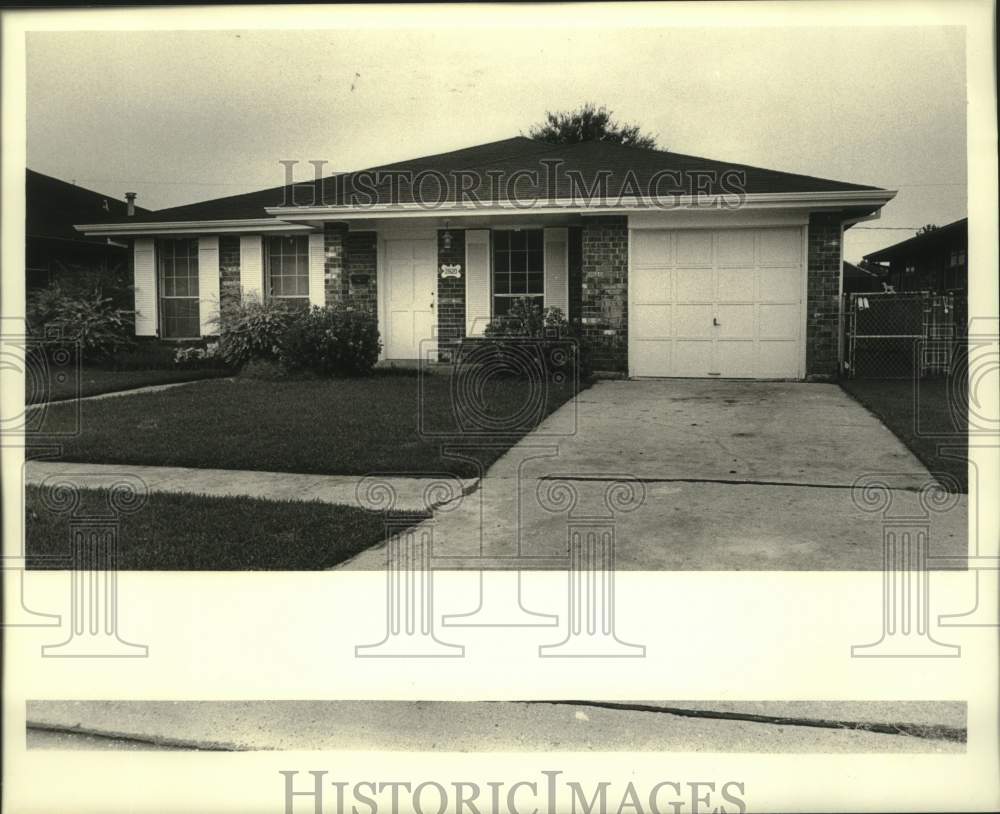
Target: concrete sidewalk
<point x="515" y="726"/>
<point x="404" y="494"/>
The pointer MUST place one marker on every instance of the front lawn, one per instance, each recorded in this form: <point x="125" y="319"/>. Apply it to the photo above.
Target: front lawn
<point x="190" y="533"/>
<point x="383" y="423"/>
<point x="920" y="415"/>
<point x="94" y="381"/>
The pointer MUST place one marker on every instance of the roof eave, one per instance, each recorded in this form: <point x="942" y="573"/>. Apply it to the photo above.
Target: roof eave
<point x="785" y="200"/>
<point x="192" y="227"/>
<point x="306" y="218"/>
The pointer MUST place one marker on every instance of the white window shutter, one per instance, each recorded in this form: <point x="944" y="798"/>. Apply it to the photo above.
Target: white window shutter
<point x="557" y="269"/>
<point x="251" y="267"/>
<point x="477" y="281"/>
<point x="144" y="285"/>
<point x="208" y="284"/>
<point x="317" y="281"/>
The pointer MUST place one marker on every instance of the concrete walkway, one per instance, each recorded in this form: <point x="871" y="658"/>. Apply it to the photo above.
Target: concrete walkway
<point x="728" y="475"/>
<point x="401" y="494"/>
<point x="149" y="388"/>
<point x="510" y="726"/>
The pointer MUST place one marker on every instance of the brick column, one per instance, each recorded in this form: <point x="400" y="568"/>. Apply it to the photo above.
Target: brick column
<point x="450" y="294"/>
<point x="229" y="275"/>
<point x="334" y="244"/>
<point x="361" y="278"/>
<point x="604" y="299"/>
<point x="823" y="295"/>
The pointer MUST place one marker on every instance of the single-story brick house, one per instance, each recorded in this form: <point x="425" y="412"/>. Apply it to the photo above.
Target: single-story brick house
<point x="929" y="261"/>
<point x="673" y="265"/>
<point x="55" y="252"/>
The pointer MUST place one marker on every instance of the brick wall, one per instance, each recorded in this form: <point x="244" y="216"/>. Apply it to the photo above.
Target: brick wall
<point x="604" y="296"/>
<point x="229" y="274"/>
<point x="334" y="245"/>
<point x="350" y="267"/>
<point x="823" y="295"/>
<point x="450" y="302"/>
<point x="361" y="278"/>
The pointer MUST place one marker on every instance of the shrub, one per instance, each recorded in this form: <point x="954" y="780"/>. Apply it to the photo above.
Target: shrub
<point x="330" y="342"/>
<point x="252" y="330"/>
<point x="549" y="328"/>
<point x="526" y="319"/>
<point x="89" y="320"/>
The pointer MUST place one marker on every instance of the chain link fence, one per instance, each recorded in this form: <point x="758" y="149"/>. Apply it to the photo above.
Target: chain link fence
<point x="900" y="336"/>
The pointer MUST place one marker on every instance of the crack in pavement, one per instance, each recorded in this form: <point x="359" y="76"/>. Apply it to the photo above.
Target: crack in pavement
<point x="926" y="731"/>
<point x="724" y="481"/>
<point x="153" y="740"/>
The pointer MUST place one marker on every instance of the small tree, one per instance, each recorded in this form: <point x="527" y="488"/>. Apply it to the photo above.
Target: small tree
<point x="930" y="227"/>
<point x="589" y="123"/>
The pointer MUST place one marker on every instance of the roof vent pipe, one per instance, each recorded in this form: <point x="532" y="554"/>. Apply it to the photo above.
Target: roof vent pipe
<point x="130" y="198"/>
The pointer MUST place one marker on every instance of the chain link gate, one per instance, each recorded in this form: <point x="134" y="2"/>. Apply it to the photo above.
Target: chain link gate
<point x="885" y="333"/>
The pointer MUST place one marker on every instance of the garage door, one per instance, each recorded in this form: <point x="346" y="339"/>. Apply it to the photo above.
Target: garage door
<point x="724" y="302"/>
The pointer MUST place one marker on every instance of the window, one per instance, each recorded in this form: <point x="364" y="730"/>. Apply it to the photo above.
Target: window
<point x="910" y="268"/>
<point x="288" y="269"/>
<point x="957" y="257"/>
<point x="178" y="272"/>
<point x="518" y="268"/>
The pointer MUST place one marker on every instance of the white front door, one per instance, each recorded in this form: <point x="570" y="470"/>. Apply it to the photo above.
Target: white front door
<point x="410" y="289"/>
<point x="716" y="302"/>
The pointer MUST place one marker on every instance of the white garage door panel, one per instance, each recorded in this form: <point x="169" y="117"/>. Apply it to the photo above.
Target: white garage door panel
<point x="778" y="321"/>
<point x="653" y="252"/>
<point x="736" y="358"/>
<point x="692" y="247"/>
<point x="736" y="284"/>
<point x="779" y="247"/>
<point x="692" y="321"/>
<point x="736" y="321"/>
<point x="691" y="357"/>
<point x="694" y="285"/>
<point x="724" y="302"/>
<point x="656" y="282"/>
<point x="653" y="321"/>
<point x="735" y="247"/>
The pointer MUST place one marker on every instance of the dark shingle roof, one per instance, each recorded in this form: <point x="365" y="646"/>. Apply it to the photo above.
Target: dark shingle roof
<point x="52" y="207"/>
<point x="950" y="232"/>
<point x="622" y="166"/>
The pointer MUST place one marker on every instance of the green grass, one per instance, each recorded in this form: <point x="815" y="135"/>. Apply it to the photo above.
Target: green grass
<point x="95" y="381"/>
<point x="924" y="426"/>
<point x="383" y="423"/>
<point x="190" y="533"/>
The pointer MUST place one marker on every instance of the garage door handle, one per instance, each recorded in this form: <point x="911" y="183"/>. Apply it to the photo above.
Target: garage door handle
<point x="715" y="320"/>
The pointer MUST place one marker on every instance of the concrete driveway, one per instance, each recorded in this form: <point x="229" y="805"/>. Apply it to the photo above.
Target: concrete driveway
<point x="727" y="475"/>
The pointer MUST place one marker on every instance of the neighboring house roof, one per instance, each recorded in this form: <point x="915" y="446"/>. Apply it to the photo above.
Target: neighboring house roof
<point x="54" y="206"/>
<point x="505" y="157"/>
<point x="858" y="276"/>
<point x="957" y="231"/>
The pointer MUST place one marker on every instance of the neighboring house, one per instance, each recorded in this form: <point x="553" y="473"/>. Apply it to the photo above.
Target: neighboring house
<point x="54" y="250"/>
<point x="932" y="261"/>
<point x="864" y="277"/>
<point x="673" y="265"/>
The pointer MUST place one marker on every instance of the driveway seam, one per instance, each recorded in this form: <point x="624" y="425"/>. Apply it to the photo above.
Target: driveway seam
<point x="605" y="479"/>
<point x="926" y="731"/>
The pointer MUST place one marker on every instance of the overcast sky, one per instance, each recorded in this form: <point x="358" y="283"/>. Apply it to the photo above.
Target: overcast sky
<point x="186" y="116"/>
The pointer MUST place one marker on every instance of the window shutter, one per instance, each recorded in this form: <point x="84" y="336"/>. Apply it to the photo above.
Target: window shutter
<point x="251" y="267"/>
<point x="477" y="281"/>
<point x="317" y="283"/>
<point x="208" y="284"/>
<point x="144" y="278"/>
<point x="557" y="269"/>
